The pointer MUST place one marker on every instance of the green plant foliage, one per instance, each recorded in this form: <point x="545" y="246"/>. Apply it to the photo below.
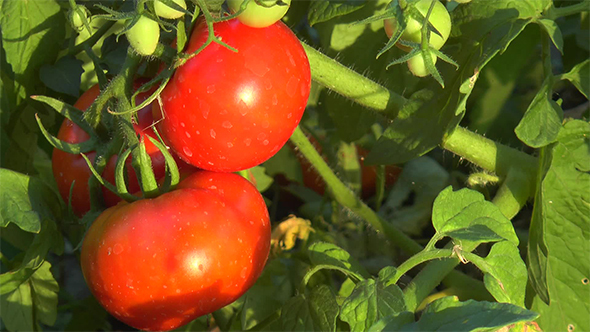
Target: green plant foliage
<point x="33" y="300"/>
<point x="324" y="10"/>
<point x="450" y="314"/>
<point x="559" y="269"/>
<point x="465" y="215"/>
<point x="371" y="300"/>
<point x="318" y="313"/>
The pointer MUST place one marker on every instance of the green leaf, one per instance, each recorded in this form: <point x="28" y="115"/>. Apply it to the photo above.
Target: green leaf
<point x="580" y="77"/>
<point x="28" y="201"/>
<point x="34" y="299"/>
<point x="269" y="293"/>
<point x="63" y="76"/>
<point x="32" y="31"/>
<point x="356" y="46"/>
<point x="393" y="322"/>
<point x="323" y="253"/>
<point x="372" y="300"/>
<point x="495" y="97"/>
<point x="284" y="162"/>
<point x="324" y="10"/>
<point x="465" y="213"/>
<point x="448" y="314"/>
<point x="542" y="121"/>
<point x="487" y="28"/>
<point x="507" y="278"/>
<point x="263" y="181"/>
<point x="419" y="183"/>
<point x="318" y="313"/>
<point x="554" y="32"/>
<point x="559" y="241"/>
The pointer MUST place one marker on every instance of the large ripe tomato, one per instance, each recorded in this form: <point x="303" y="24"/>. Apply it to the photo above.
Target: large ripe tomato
<point x="157" y="264"/>
<point x="69" y="168"/>
<point x="228" y="111"/>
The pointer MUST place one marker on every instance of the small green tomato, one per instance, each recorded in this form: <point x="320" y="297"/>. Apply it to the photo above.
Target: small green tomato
<point x="164" y="11"/>
<point x="418" y="67"/>
<point x="76" y="20"/>
<point x="439" y="18"/>
<point x="258" y="16"/>
<point x="144" y="35"/>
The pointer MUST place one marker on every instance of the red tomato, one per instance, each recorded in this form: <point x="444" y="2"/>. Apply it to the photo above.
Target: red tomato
<point x="228" y="111"/>
<point x="157" y="264"/>
<point x="68" y="168"/>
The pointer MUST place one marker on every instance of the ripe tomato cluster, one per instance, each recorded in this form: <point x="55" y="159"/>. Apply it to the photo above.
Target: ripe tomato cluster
<point x="157" y="264"/>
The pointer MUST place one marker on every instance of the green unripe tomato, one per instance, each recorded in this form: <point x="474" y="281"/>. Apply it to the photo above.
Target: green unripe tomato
<point x="439" y="18"/>
<point x="76" y="20"/>
<point x="418" y="67"/>
<point x="258" y="16"/>
<point x="144" y="35"/>
<point x="164" y="11"/>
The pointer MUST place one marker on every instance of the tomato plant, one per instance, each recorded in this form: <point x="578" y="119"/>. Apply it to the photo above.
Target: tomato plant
<point x="439" y="18"/>
<point x="228" y="111"/>
<point x="260" y="16"/>
<point x="494" y="149"/>
<point x="70" y="169"/>
<point x="144" y="35"/>
<point x="166" y="11"/>
<point x="157" y="264"/>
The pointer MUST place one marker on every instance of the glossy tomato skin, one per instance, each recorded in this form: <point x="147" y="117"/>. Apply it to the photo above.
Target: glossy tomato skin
<point x="68" y="168"/>
<point x="157" y="264"/>
<point x="228" y="111"/>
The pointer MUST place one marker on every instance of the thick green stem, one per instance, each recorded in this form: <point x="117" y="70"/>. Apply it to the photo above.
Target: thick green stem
<point x="514" y="192"/>
<point x="420" y="258"/>
<point x="487" y="154"/>
<point x="348" y="199"/>
<point x="555" y="13"/>
<point x="352" y="85"/>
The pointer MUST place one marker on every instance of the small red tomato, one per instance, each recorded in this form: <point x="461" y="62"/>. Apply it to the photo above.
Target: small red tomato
<point x="71" y="168"/>
<point x="156" y="264"/>
<point x="228" y="111"/>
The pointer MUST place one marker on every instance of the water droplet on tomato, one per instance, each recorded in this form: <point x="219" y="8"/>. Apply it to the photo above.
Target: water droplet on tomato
<point x="230" y="145"/>
<point x="211" y="88"/>
<point x="289" y="115"/>
<point x="292" y="86"/>
<point x="182" y="124"/>
<point x="212" y="133"/>
<point x="247" y="141"/>
<point x="261" y="136"/>
<point x="265" y="142"/>
<point x="226" y="124"/>
<point x="188" y="135"/>
<point x="275" y="100"/>
<point x="265" y="124"/>
<point x="187" y="151"/>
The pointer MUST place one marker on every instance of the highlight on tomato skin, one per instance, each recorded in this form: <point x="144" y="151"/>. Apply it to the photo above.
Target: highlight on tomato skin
<point x="226" y="111"/>
<point x="157" y="264"/>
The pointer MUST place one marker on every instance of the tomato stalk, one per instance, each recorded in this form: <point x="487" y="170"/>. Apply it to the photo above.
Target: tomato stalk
<point x="557" y="12"/>
<point x="348" y="83"/>
<point x="485" y="153"/>
<point x="347" y="198"/>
